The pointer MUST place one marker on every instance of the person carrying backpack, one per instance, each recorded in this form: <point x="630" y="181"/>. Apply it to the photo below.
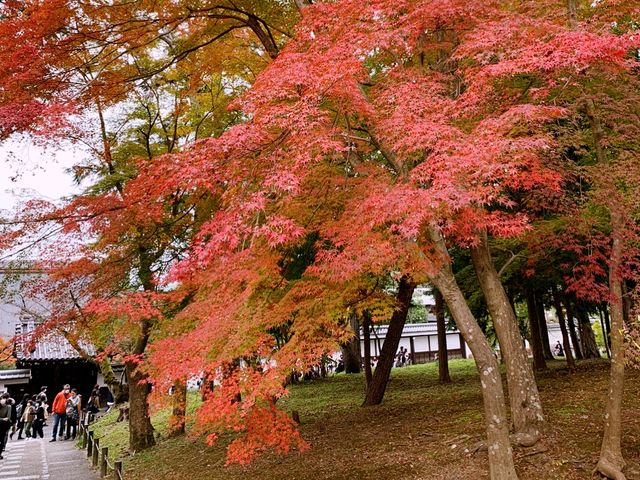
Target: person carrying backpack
<point x="73" y="414"/>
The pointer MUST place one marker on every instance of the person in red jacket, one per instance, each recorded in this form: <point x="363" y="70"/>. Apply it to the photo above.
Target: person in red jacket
<point x="59" y="410"/>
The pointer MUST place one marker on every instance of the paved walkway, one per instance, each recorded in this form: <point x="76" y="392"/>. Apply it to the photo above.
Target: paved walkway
<point x="41" y="460"/>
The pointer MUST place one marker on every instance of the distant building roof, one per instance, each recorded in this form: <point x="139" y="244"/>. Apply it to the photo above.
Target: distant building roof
<point x="19" y="374"/>
<point x="412" y="329"/>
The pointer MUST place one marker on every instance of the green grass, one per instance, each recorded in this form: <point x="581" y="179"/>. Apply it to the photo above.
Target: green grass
<point x="422" y="430"/>
<point x="115" y="435"/>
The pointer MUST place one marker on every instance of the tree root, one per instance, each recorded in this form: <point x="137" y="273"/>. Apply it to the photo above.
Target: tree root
<point x="609" y="470"/>
<point x="524" y="439"/>
<point x="520" y="439"/>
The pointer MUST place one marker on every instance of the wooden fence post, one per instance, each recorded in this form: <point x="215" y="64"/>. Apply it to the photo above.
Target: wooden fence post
<point x="104" y="455"/>
<point x="96" y="446"/>
<point x="90" y="444"/>
<point x="117" y="470"/>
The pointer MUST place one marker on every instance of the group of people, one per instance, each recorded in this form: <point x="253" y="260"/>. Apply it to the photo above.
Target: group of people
<point x="403" y="357"/>
<point x="29" y="416"/>
<point x="66" y="410"/>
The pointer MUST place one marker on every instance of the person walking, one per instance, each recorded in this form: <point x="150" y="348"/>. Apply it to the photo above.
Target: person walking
<point x="5" y="422"/>
<point x="27" y="418"/>
<point x="20" y="409"/>
<point x="14" y="414"/>
<point x="73" y="414"/>
<point x="38" y="423"/>
<point x="60" y="412"/>
<point x="95" y="397"/>
<point x="44" y="400"/>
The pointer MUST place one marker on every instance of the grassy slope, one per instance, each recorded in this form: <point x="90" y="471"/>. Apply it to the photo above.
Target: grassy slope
<point x="422" y="431"/>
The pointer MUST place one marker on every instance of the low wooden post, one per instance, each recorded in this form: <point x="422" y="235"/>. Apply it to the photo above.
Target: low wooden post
<point x="117" y="470"/>
<point x="96" y="446"/>
<point x="104" y="455"/>
<point x="90" y="444"/>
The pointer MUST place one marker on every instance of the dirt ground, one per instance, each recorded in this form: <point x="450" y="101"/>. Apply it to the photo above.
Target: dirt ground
<point x="422" y="431"/>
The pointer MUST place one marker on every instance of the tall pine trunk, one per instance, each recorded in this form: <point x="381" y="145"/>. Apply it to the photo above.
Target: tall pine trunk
<point x="539" y="363"/>
<point x="575" y="341"/>
<point x="501" y="465"/>
<point x="378" y="385"/>
<point x="177" y="420"/>
<point x="565" y="334"/>
<point x="443" y="353"/>
<point x="587" y="337"/>
<point x="526" y="407"/>
<point x="544" y="331"/>
<point x="140" y="428"/>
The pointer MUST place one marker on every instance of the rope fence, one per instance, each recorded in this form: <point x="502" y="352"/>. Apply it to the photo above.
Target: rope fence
<point x="99" y="456"/>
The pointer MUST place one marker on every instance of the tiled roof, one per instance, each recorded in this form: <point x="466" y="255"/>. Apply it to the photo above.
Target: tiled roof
<point x="52" y="346"/>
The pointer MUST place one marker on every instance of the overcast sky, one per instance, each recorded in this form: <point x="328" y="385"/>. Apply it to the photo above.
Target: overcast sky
<point x="28" y="171"/>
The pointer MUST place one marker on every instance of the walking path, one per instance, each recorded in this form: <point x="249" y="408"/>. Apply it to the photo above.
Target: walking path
<point x="41" y="460"/>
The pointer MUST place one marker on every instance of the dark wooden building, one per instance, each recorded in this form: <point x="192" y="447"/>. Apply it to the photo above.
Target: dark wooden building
<point x="53" y="362"/>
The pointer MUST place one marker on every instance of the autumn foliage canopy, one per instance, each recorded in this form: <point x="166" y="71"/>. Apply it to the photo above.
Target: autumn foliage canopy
<point x="375" y="123"/>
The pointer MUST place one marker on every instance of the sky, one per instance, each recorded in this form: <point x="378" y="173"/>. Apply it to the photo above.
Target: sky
<point x="31" y="171"/>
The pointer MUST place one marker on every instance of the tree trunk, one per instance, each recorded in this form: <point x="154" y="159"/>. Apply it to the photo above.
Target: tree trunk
<point x="611" y="461"/>
<point x="351" y="349"/>
<point x="526" y="407"/>
<point x="544" y="331"/>
<point x="539" y="363"/>
<point x="575" y="341"/>
<point x="565" y="334"/>
<point x="140" y="428"/>
<point x="443" y="353"/>
<point x="501" y="465"/>
<point x="206" y="388"/>
<point x="177" y="421"/>
<point x="380" y="379"/>
<point x="587" y="337"/>
<point x="366" y="331"/>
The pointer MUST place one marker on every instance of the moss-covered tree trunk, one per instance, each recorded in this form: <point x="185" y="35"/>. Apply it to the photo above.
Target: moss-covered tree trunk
<point x="140" y="429"/>
<point x="120" y="394"/>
